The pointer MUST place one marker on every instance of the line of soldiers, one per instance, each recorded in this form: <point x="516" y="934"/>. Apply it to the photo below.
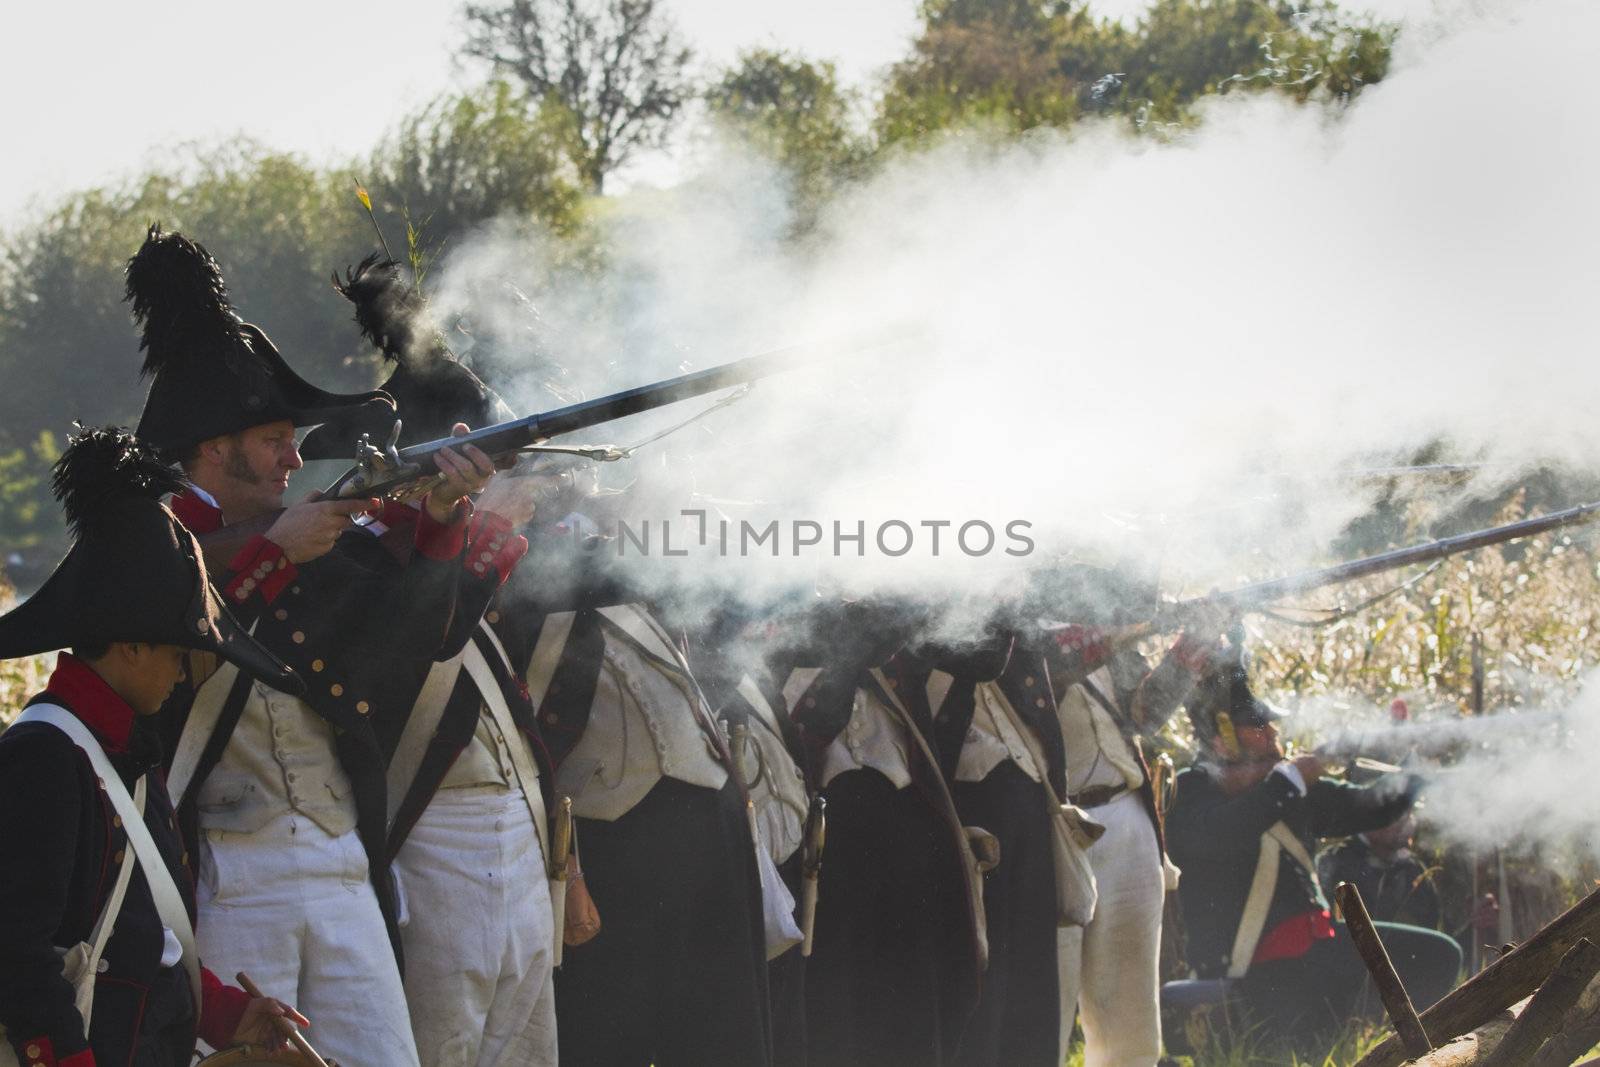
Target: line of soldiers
<point x="362" y="742"/>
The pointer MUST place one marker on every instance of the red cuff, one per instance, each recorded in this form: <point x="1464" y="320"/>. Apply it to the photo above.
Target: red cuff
<point x="1089" y="642"/>
<point x="222" y="1006"/>
<point x="41" y="1052"/>
<point x="494" y="546"/>
<point x="443" y="540"/>
<point x="260" y="567"/>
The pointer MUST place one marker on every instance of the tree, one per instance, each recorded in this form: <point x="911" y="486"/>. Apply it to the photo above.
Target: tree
<point x="1016" y="64"/>
<point x="615" y="65"/>
<point x="464" y="160"/>
<point x="793" y="110"/>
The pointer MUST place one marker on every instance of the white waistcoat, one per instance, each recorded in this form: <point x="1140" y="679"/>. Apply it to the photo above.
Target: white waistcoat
<point x="646" y="723"/>
<point x="776" y="784"/>
<point x="486" y="761"/>
<point x="1097" y="753"/>
<point x="992" y="739"/>
<point x="280" y="758"/>
<point x="873" y="738"/>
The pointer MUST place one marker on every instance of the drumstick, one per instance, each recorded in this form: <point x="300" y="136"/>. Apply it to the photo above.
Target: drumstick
<point x="289" y="1029"/>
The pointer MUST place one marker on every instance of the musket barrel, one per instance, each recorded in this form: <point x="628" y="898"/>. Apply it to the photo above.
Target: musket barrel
<point x="507" y="437"/>
<point x="1257" y="593"/>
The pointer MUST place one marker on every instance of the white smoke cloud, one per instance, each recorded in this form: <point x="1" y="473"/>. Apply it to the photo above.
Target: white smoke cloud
<point x="1158" y="353"/>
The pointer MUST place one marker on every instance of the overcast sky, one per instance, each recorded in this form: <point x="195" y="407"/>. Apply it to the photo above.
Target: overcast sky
<point x="95" y="89"/>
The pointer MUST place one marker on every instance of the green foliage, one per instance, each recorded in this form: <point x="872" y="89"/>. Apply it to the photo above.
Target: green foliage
<point x="25" y="517"/>
<point x="466" y="159"/>
<point x="1014" y="66"/>
<point x="794" y="111"/>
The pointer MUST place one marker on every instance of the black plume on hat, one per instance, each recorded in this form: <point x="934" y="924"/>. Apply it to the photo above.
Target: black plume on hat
<point x="432" y="389"/>
<point x="134" y="572"/>
<point x="179" y="300"/>
<point x="389" y="312"/>
<point x="101" y="464"/>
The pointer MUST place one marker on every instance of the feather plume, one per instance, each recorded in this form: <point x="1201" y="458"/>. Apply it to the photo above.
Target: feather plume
<point x="180" y="301"/>
<point x="104" y="463"/>
<point x="390" y="313"/>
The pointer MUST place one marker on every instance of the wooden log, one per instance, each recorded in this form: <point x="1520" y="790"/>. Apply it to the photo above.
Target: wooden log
<point x="1396" y="1001"/>
<point x="1504" y="982"/>
<point x="1469" y="1049"/>
<point x="1548" y="1006"/>
<point x="1579" y="1033"/>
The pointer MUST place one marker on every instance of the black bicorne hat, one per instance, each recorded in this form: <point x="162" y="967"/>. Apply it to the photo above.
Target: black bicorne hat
<point x="213" y="374"/>
<point x="431" y="387"/>
<point x="134" y="572"/>
<point x="1225" y="688"/>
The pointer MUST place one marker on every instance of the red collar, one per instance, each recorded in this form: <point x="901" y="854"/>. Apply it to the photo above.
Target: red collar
<point x="196" y="513"/>
<point x="76" y="686"/>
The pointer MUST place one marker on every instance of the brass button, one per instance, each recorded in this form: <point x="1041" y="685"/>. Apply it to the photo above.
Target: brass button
<point x="1040" y="703"/>
<point x="336" y="689"/>
<point x="280" y="615"/>
<point x="199" y="626"/>
<point x="240" y="594"/>
<point x="283" y="561"/>
<point x="32" y="1051"/>
<point x="295" y="589"/>
<point x="298" y="637"/>
<point x="117" y="858"/>
<point x="493" y="617"/>
<point x="116" y="820"/>
<point x="487" y="557"/>
<point x="185" y="857"/>
<point x="1030" y="680"/>
<point x="363" y="707"/>
<point x="317" y="665"/>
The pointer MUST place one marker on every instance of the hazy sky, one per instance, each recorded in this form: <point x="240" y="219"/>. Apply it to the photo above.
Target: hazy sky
<point x="95" y="89"/>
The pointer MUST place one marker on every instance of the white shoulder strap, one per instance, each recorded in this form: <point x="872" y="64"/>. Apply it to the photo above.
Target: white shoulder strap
<point x="939" y="685"/>
<point x="198" y="728"/>
<point x="108" y="915"/>
<point x="522" y="764"/>
<point x="169" y="903"/>
<point x="421" y="725"/>
<point x="1252" y="924"/>
<point x="547" y="653"/>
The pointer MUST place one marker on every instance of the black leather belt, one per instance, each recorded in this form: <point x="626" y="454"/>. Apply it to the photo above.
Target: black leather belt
<point x="1097" y="795"/>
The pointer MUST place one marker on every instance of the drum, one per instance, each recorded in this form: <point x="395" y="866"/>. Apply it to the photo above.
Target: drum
<point x="253" y="1056"/>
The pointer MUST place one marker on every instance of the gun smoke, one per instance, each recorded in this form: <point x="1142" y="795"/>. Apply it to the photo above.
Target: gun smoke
<point x="1160" y="351"/>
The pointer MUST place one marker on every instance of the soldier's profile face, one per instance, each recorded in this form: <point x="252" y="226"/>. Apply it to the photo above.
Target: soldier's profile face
<point x="158" y="668"/>
<point x="259" y="461"/>
<point x="1260" y="742"/>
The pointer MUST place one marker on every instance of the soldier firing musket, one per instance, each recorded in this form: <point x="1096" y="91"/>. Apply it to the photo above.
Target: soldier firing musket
<point x="1262" y="595"/>
<point x="394" y="473"/>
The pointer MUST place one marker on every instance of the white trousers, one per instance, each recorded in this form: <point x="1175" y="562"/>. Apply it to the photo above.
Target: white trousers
<point x="1110" y="969"/>
<point x="291" y="906"/>
<point x="480" y="936"/>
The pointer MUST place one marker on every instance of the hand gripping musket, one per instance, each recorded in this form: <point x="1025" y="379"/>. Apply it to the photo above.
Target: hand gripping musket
<point x="811" y="870"/>
<point x="560" y="855"/>
<point x="405" y="473"/>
